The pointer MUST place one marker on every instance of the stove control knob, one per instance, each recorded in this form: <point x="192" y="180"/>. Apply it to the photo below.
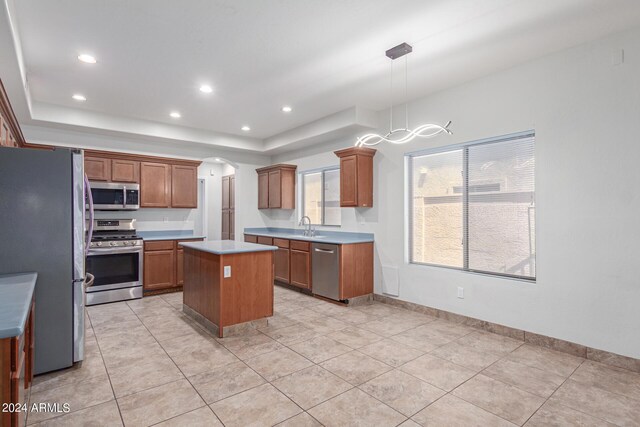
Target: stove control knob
<point x="113" y="243"/>
<point x="99" y="244"/>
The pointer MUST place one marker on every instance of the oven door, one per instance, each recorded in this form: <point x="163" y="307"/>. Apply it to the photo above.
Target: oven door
<point x="114" y="268"/>
<point x="110" y="196"/>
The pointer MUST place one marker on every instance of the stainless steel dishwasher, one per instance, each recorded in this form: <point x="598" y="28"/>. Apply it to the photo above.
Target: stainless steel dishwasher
<point x="324" y="270"/>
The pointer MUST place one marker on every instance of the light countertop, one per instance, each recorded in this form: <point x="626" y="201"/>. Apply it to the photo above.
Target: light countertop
<point x="226" y="247"/>
<point x="150" y="236"/>
<point x="322" y="236"/>
<point x="16" y="292"/>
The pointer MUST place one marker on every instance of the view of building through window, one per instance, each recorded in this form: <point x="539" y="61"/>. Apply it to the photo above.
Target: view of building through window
<point x="321" y="196"/>
<point x="474" y="207"/>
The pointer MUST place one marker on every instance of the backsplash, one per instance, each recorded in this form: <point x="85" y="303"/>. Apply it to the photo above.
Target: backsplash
<point x="157" y="219"/>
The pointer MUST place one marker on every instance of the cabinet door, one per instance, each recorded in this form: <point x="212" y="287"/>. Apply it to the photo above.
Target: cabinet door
<point x="232" y="224"/>
<point x="348" y="181"/>
<point x="281" y="267"/>
<point x="184" y="186"/>
<point x="125" y="171"/>
<point x="263" y="190"/>
<point x="159" y="269"/>
<point x="232" y="192"/>
<point x="155" y="185"/>
<point x="225" y="225"/>
<point x="301" y="269"/>
<point x="179" y="267"/>
<point x="97" y="168"/>
<point x="225" y="192"/>
<point x="275" y="189"/>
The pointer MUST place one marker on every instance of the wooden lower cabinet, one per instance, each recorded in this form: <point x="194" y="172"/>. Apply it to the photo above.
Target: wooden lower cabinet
<point x="164" y="264"/>
<point x="16" y="373"/>
<point x="281" y="265"/>
<point x="301" y="269"/>
<point x="159" y="269"/>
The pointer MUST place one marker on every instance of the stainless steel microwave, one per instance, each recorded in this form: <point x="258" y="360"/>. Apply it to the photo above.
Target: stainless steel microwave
<point x="115" y="196"/>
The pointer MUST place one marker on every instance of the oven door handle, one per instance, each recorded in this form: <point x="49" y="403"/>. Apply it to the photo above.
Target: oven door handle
<point x="116" y="250"/>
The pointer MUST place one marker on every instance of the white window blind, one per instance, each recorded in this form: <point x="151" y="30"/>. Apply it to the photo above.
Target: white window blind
<point x="473" y="206"/>
<point x="321" y="196"/>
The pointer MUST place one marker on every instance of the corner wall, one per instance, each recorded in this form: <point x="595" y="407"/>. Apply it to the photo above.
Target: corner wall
<point x="585" y="113"/>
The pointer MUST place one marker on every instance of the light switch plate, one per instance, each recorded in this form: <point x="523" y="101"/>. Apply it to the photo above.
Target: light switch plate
<point x="227" y="271"/>
<point x="460" y="292"/>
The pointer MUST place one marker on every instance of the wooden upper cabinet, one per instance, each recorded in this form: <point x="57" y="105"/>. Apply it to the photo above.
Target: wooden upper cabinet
<point x="97" y="168"/>
<point x="125" y="170"/>
<point x="184" y="186"/>
<point x="277" y="187"/>
<point x="263" y="190"/>
<point x="155" y="185"/>
<point x="356" y="177"/>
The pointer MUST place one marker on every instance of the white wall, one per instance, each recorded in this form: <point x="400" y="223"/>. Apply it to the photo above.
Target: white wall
<point x="585" y="113"/>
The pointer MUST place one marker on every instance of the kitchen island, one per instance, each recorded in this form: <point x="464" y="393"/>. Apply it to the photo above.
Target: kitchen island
<point x="227" y="284"/>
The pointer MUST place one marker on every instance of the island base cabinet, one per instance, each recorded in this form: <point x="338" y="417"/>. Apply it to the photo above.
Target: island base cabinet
<point x="218" y="301"/>
<point x="16" y="369"/>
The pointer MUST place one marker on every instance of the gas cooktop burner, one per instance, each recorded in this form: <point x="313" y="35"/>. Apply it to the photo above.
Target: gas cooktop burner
<point x="115" y="237"/>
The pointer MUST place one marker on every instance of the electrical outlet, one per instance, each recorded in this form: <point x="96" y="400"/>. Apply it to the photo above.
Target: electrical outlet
<point x="227" y="271"/>
<point x="460" y="292"/>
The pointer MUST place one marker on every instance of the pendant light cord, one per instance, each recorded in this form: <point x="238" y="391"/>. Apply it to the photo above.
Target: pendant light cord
<point x="406" y="93"/>
<point x="391" y="99"/>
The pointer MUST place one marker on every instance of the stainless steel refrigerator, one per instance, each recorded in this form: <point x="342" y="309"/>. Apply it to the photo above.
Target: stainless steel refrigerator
<point x="42" y="230"/>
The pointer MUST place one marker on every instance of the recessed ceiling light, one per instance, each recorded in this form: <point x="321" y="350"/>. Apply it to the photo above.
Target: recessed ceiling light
<point x="79" y="97"/>
<point x="245" y="128"/>
<point x="286" y="109"/>
<point x="175" y="114"/>
<point x="206" y="89"/>
<point x="217" y="159"/>
<point x="89" y="59"/>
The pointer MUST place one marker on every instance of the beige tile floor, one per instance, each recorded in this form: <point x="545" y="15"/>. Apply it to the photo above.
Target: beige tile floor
<point x="322" y="364"/>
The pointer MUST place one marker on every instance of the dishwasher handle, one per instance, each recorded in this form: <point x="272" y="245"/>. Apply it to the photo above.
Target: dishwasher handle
<point x="328" y="251"/>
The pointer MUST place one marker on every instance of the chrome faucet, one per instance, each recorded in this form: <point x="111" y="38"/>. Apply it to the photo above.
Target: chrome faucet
<point x="307" y="231"/>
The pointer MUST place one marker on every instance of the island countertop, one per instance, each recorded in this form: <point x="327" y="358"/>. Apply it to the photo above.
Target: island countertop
<point x="16" y="292"/>
<point x="226" y="247"/>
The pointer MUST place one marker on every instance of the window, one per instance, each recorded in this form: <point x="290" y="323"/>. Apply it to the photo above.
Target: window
<point x="321" y="196"/>
<point x="473" y="206"/>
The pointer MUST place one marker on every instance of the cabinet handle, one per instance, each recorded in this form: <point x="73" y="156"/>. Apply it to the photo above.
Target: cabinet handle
<point x="328" y="251"/>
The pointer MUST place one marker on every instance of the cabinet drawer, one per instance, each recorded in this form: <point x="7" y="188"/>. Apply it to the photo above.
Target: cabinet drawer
<point x="281" y="243"/>
<point x="250" y="238"/>
<point x="300" y="245"/>
<point x="186" y="241"/>
<point x="265" y="240"/>
<point x="161" y="245"/>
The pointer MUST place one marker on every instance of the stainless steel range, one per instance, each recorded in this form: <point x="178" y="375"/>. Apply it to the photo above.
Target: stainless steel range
<point x="115" y="261"/>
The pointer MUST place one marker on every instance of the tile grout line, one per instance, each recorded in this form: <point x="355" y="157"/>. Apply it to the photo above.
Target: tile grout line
<point x="105" y="365"/>
<point x="177" y="367"/>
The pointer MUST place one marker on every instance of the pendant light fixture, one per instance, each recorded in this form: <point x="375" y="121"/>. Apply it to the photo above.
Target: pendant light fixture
<point x="402" y="135"/>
